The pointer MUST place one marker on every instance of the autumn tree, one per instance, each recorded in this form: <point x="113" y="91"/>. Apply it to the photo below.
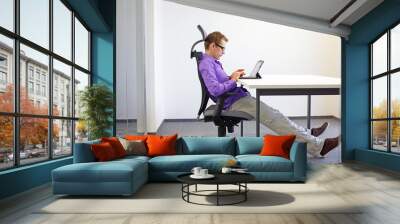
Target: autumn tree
<point x="33" y="131"/>
<point x="380" y="127"/>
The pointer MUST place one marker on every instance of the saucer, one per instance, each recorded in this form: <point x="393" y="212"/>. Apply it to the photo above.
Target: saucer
<point x="208" y="176"/>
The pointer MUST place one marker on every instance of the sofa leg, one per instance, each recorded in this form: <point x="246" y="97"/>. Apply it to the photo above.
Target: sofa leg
<point x="221" y="131"/>
<point x="241" y="128"/>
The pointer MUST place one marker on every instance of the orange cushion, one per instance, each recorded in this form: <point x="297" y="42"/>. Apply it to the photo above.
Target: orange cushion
<point x="161" y="145"/>
<point x="103" y="152"/>
<point x="116" y="145"/>
<point x="136" y="137"/>
<point x="277" y="145"/>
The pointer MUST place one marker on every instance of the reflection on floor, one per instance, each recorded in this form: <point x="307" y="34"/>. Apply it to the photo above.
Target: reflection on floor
<point x="200" y="128"/>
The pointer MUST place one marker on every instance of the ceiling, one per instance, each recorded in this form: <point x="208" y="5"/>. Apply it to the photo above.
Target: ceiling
<point x="326" y="16"/>
<point x="318" y="9"/>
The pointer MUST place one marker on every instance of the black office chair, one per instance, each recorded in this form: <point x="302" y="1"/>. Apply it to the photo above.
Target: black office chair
<point x="224" y="120"/>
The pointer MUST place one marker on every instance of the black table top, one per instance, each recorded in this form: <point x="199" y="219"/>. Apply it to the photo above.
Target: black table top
<point x="220" y="178"/>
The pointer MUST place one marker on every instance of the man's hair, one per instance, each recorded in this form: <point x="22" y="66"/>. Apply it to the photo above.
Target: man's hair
<point x="214" y="37"/>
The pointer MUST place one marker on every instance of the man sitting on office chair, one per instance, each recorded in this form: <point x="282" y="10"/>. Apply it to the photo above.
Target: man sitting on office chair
<point x="218" y="82"/>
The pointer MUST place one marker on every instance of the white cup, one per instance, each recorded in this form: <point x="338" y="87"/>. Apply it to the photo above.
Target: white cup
<point x="196" y="171"/>
<point x="226" y="170"/>
<point x="203" y="172"/>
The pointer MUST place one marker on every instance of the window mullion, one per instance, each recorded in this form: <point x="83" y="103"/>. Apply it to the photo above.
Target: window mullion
<point x="50" y="81"/>
<point x="73" y="81"/>
<point x="389" y="101"/>
<point x="16" y="84"/>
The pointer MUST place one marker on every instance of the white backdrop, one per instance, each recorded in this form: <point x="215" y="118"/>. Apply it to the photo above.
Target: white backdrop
<point x="285" y="50"/>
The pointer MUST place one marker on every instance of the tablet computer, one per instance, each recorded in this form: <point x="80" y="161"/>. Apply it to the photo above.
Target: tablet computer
<point x="254" y="73"/>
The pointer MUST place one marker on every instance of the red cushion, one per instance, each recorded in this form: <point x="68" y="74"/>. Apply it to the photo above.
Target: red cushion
<point x="161" y="145"/>
<point x="103" y="152"/>
<point x="136" y="137"/>
<point x="277" y="145"/>
<point x="116" y="145"/>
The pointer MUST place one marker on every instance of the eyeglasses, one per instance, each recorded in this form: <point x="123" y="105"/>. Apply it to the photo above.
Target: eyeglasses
<point x="222" y="47"/>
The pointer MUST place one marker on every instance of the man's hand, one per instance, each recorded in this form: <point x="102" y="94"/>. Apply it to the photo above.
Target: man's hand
<point x="237" y="74"/>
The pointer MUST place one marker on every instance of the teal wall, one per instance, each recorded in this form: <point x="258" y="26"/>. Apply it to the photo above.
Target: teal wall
<point x="103" y="52"/>
<point x="24" y="178"/>
<point x="99" y="16"/>
<point x="103" y="64"/>
<point x="355" y="100"/>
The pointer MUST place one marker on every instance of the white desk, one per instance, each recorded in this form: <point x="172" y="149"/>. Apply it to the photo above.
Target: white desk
<point x="275" y="85"/>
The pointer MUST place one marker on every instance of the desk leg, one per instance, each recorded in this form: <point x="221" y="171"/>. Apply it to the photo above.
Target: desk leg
<point x="257" y="113"/>
<point x="308" y="111"/>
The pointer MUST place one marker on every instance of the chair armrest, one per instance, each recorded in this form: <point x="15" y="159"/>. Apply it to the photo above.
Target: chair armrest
<point x="220" y="103"/>
<point x="298" y="155"/>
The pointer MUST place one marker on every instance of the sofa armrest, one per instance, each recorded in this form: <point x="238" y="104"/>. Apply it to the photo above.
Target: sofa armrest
<point x="298" y="155"/>
<point x="83" y="152"/>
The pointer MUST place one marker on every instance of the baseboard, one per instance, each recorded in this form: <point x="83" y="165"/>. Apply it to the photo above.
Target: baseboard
<point x="126" y="120"/>
<point x="292" y="117"/>
<point x="195" y="120"/>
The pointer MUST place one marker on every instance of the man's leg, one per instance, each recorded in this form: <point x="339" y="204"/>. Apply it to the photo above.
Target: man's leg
<point x="279" y="123"/>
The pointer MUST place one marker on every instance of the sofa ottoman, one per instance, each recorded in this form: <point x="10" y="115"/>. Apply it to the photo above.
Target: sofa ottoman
<point x="119" y="177"/>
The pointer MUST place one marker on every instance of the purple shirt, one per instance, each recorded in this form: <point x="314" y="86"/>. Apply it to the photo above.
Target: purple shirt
<point x="218" y="82"/>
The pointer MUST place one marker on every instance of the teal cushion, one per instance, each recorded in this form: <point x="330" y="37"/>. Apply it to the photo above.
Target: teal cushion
<point x="133" y="157"/>
<point x="83" y="152"/>
<point x="206" y="145"/>
<point x="257" y="163"/>
<point x="185" y="163"/>
<point x="249" y="145"/>
<point x="111" y="171"/>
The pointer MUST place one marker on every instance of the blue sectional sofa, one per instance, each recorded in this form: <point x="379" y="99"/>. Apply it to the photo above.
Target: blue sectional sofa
<point x="125" y="176"/>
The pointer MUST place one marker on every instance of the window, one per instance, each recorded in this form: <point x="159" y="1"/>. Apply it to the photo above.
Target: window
<point x="6" y="73"/>
<point x="37" y="89"/>
<point x="37" y="75"/>
<point x="7" y="14"/>
<point x="3" y="61"/>
<point x="35" y="21"/>
<point x="385" y="94"/>
<point x="62" y="74"/>
<point x="62" y="137"/>
<point x="3" y="72"/>
<point x="62" y="31"/>
<point x="81" y="45"/>
<point x="3" y="78"/>
<point x="81" y="81"/>
<point x="33" y="147"/>
<point x="30" y="87"/>
<point x="395" y="47"/>
<point x="44" y="91"/>
<point x="6" y="142"/>
<point x="30" y="72"/>
<point x="45" y="131"/>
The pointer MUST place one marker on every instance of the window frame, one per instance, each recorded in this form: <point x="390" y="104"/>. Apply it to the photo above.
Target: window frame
<point x="16" y="114"/>
<point x="388" y="74"/>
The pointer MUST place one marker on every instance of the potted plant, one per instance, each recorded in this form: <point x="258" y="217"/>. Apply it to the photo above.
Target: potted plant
<point x="96" y="102"/>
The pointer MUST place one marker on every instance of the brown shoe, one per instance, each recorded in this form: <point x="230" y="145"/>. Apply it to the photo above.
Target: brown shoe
<point x="329" y="144"/>
<point x="318" y="131"/>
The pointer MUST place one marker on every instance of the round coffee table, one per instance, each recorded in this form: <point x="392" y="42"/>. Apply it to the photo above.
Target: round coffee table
<point x="238" y="179"/>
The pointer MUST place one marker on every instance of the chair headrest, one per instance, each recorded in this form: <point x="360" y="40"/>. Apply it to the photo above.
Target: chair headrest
<point x="203" y="33"/>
